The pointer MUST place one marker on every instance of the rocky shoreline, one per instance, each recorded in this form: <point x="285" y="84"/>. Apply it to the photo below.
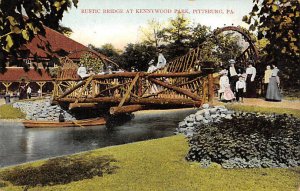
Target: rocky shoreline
<point x="204" y="116"/>
<point x="42" y="110"/>
<point x="235" y="139"/>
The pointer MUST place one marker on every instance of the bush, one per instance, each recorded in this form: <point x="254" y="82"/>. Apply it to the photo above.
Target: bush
<point x="59" y="171"/>
<point x="248" y="140"/>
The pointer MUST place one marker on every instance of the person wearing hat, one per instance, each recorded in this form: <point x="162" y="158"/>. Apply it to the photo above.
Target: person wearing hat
<point x="232" y="74"/>
<point x="251" y="73"/>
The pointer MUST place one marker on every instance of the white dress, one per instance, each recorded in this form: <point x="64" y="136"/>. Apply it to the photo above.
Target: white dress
<point x="224" y="82"/>
<point x="161" y="61"/>
<point x="82" y="72"/>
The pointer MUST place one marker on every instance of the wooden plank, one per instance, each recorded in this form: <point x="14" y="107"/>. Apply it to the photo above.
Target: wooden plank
<point x="127" y="94"/>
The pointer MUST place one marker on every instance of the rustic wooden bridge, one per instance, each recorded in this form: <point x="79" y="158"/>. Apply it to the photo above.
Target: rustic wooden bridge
<point x="185" y="82"/>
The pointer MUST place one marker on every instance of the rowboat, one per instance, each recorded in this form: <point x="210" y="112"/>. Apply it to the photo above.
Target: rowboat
<point x="76" y="123"/>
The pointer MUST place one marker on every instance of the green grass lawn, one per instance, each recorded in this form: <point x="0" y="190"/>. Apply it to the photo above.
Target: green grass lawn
<point x="160" y="165"/>
<point x="267" y="110"/>
<point x="9" y="112"/>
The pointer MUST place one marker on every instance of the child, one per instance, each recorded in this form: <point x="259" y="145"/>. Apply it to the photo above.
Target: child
<point x="240" y="87"/>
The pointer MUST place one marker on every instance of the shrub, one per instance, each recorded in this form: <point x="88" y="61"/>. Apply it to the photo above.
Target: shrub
<point x="248" y="140"/>
<point x="59" y="171"/>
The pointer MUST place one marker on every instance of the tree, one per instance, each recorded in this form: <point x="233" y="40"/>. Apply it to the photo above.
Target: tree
<point x="21" y="20"/>
<point x="89" y="61"/>
<point x="227" y="46"/>
<point x="199" y="34"/>
<point x="152" y="33"/>
<point x="177" y="35"/>
<point x="108" y="50"/>
<point x="138" y="56"/>
<point x="278" y="21"/>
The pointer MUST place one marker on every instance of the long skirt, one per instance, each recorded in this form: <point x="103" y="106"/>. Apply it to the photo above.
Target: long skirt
<point x="251" y="87"/>
<point x="273" y="93"/>
<point x="228" y="94"/>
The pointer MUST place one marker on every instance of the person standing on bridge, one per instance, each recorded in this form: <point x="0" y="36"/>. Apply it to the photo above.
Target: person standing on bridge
<point x="82" y="72"/>
<point x="161" y="61"/>
<point x="153" y="89"/>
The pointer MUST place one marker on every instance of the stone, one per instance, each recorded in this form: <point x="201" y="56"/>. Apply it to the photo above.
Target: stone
<point x="213" y="110"/>
<point x="205" y="106"/>
<point x="190" y="124"/>
<point x="199" y="118"/>
<point x="200" y="112"/>
<point x="182" y="124"/>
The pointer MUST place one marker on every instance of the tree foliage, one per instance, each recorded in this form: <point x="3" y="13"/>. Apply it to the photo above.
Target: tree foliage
<point x="278" y="21"/>
<point x="152" y="34"/>
<point x="138" y="56"/>
<point x="90" y="62"/>
<point x="21" y="20"/>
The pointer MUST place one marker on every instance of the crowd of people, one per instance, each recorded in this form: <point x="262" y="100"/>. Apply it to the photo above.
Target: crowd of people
<point x="237" y="83"/>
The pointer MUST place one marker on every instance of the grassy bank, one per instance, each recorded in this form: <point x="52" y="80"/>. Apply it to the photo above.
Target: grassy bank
<point x="9" y="112"/>
<point x="160" y="165"/>
<point x="267" y="110"/>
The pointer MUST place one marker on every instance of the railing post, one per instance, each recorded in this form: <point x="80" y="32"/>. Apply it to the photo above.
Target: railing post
<point x="210" y="88"/>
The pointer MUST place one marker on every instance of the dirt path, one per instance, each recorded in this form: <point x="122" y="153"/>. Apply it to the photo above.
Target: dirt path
<point x="262" y="103"/>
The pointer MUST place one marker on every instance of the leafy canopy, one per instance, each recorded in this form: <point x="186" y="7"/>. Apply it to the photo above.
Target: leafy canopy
<point x="21" y="20"/>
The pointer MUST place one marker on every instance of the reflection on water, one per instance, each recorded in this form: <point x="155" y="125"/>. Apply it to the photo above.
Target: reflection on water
<point x="19" y="145"/>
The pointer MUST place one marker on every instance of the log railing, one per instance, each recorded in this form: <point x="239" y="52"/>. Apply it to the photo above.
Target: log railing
<point x="130" y="91"/>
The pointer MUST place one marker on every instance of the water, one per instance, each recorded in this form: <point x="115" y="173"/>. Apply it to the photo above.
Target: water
<point x="19" y="145"/>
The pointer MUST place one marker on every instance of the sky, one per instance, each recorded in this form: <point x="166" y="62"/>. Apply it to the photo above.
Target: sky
<point x="118" y="22"/>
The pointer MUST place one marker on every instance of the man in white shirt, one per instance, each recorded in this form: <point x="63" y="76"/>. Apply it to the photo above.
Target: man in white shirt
<point x="240" y="88"/>
<point x="233" y="76"/>
<point x="251" y="73"/>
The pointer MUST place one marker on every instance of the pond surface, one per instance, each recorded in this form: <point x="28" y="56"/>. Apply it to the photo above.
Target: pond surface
<point x="19" y="145"/>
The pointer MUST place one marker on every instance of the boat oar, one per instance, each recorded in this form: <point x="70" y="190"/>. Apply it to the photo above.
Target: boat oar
<point x="77" y="124"/>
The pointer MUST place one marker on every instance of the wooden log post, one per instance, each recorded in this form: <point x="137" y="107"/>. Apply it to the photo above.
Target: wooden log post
<point x="210" y="88"/>
<point x="7" y="84"/>
<point x="125" y="109"/>
<point x="41" y="84"/>
<point x="82" y="105"/>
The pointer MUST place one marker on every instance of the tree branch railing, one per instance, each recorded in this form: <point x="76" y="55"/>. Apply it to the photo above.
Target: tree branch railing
<point x="121" y="89"/>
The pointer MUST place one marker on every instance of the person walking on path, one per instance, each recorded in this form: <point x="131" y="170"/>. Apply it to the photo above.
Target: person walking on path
<point x="267" y="76"/>
<point x="273" y="93"/>
<point x="225" y="93"/>
<point x="232" y="74"/>
<point x="28" y="92"/>
<point x="240" y="88"/>
<point x="251" y="86"/>
<point x="22" y="90"/>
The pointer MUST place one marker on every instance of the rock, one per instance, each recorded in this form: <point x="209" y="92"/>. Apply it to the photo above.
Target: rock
<point x="199" y="118"/>
<point x="205" y="106"/>
<point x="228" y="116"/>
<point x="190" y="124"/>
<point x="213" y="110"/>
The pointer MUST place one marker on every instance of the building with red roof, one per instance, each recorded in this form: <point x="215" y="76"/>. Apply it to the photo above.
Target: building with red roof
<point x="53" y="44"/>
